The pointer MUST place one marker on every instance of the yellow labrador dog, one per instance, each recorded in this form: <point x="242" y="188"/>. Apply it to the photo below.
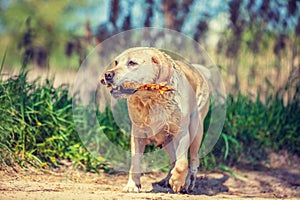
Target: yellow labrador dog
<point x="167" y="102"/>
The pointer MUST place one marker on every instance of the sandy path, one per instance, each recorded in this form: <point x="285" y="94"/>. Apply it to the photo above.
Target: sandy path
<point x="72" y="184"/>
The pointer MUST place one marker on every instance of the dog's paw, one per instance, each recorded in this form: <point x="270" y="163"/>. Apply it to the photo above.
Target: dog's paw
<point x="132" y="187"/>
<point x="176" y="184"/>
<point x="179" y="173"/>
<point x="190" y="181"/>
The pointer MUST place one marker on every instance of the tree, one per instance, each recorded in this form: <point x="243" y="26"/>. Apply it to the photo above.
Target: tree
<point x="35" y="28"/>
<point x="256" y="25"/>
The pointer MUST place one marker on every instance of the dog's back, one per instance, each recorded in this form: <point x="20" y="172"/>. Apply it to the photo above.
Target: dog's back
<point x="197" y="76"/>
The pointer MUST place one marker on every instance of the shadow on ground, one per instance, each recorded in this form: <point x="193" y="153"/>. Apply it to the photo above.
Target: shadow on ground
<point x="203" y="186"/>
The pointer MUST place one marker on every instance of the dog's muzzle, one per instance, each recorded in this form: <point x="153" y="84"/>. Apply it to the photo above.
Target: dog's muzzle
<point x="117" y="91"/>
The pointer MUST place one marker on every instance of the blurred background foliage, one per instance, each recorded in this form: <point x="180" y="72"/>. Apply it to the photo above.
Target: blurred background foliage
<point x="256" y="44"/>
<point x="251" y="39"/>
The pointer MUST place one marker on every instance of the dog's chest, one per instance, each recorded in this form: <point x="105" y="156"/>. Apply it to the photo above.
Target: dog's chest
<point x="159" y="112"/>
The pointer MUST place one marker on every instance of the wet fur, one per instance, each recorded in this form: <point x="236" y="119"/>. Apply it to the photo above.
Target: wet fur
<point x="173" y="120"/>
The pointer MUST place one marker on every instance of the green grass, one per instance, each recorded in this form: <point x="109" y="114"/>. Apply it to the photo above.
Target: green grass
<point x="252" y="128"/>
<point x="37" y="127"/>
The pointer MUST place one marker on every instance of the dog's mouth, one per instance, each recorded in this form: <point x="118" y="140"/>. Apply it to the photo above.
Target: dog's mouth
<point x="128" y="88"/>
<point x="123" y="90"/>
<point x="120" y="91"/>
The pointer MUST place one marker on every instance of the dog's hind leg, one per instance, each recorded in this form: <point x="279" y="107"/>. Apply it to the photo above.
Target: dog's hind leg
<point x="196" y="130"/>
<point x="194" y="160"/>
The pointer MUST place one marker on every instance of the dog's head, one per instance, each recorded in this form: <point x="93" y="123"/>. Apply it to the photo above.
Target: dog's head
<point x="139" y="65"/>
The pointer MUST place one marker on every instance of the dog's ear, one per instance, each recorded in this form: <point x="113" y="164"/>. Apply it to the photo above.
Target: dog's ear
<point x="165" y="69"/>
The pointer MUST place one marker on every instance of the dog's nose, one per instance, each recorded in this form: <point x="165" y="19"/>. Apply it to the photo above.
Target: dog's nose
<point x="109" y="75"/>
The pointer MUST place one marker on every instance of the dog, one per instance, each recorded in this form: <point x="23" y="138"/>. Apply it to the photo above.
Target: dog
<point x="168" y="101"/>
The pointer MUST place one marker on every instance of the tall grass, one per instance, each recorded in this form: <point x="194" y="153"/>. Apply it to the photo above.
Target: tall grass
<point x="252" y="128"/>
<point x="37" y="127"/>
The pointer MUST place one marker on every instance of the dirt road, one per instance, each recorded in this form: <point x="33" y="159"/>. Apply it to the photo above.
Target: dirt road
<point x="73" y="184"/>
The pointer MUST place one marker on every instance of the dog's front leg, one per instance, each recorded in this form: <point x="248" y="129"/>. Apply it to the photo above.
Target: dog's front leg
<point x="180" y="170"/>
<point x="137" y="150"/>
<point x="171" y="151"/>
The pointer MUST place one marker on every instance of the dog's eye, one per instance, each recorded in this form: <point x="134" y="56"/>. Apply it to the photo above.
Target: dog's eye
<point x="116" y="63"/>
<point x="132" y="63"/>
